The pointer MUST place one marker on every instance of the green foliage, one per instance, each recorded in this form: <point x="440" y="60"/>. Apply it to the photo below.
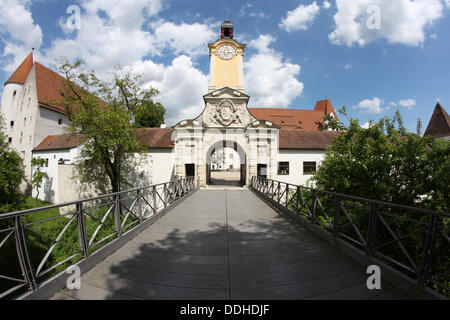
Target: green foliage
<point x="110" y="151"/>
<point x="386" y="163"/>
<point x="149" y="115"/>
<point x="38" y="175"/>
<point x="11" y="175"/>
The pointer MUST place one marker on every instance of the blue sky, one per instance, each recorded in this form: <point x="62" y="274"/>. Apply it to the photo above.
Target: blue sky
<point x="374" y="56"/>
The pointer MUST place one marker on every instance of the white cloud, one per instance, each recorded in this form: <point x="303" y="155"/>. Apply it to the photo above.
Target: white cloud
<point x="18" y="32"/>
<point x="278" y="85"/>
<point x="393" y="104"/>
<point x="370" y="106"/>
<point x="127" y="15"/>
<point x="447" y="4"/>
<point x="366" y="125"/>
<point x="172" y="36"/>
<point x="402" y="21"/>
<point x="327" y="5"/>
<point x="408" y="103"/>
<point x="348" y="66"/>
<point x="181" y="85"/>
<point x="300" y="18"/>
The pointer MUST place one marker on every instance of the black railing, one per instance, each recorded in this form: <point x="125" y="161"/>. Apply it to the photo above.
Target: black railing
<point x="36" y="244"/>
<point x="414" y="241"/>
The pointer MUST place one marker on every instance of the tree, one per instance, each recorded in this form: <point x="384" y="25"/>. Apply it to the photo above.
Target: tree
<point x="11" y="176"/>
<point x="102" y="114"/>
<point x="146" y="112"/>
<point x="386" y="163"/>
<point x="38" y="174"/>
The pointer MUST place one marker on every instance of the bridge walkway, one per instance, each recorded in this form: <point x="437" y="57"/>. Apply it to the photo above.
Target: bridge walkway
<point x="227" y="244"/>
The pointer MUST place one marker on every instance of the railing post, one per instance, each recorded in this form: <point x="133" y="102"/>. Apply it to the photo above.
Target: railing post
<point x="297" y="200"/>
<point x="22" y="254"/>
<point x="372" y="231"/>
<point x="82" y="230"/>
<point x="272" y="189"/>
<point x="314" y="207"/>
<point x="336" y="216"/>
<point x="166" y="195"/>
<point x="140" y="205"/>
<point x="117" y="215"/>
<point x="430" y="244"/>
<point x="287" y="196"/>
<point x="155" y="209"/>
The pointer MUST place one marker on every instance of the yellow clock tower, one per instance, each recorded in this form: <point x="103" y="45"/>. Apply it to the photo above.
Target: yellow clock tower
<point x="226" y="61"/>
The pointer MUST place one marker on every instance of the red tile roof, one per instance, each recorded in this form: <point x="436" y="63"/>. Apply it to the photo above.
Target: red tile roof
<point x="304" y="139"/>
<point x="294" y="118"/>
<point x="151" y="137"/>
<point x="49" y="86"/>
<point x="156" y="137"/>
<point x="59" y="142"/>
<point x="439" y="126"/>
<point x="21" y="74"/>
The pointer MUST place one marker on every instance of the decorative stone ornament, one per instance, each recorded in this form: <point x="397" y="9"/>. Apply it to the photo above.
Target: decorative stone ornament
<point x="225" y="113"/>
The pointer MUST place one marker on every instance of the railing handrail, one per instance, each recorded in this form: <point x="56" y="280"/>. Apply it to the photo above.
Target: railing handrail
<point x="126" y="218"/>
<point x="347" y="226"/>
<point x="71" y="203"/>
<point x="384" y="203"/>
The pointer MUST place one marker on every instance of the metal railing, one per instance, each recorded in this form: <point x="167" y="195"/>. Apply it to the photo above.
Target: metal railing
<point x="35" y="244"/>
<point x="414" y="241"/>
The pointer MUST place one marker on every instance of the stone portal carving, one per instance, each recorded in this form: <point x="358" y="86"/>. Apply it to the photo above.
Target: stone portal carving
<point x="226" y="113"/>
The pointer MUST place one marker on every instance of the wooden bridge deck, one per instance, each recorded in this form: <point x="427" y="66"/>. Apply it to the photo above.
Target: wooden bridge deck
<point x="227" y="244"/>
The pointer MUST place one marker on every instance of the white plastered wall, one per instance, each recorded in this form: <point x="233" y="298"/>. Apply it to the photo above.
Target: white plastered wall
<point x="296" y="157"/>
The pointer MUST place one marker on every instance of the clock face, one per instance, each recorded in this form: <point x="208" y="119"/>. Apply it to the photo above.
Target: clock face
<point x="227" y="52"/>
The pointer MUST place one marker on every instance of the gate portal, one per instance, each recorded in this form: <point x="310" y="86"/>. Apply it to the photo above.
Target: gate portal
<point x="222" y="145"/>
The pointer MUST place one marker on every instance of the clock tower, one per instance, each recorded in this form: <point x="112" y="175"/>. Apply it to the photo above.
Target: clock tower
<point x="226" y="61"/>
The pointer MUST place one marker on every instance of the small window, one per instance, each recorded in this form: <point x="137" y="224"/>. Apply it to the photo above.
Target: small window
<point x="12" y="124"/>
<point x="24" y="121"/>
<point x="283" y="168"/>
<point x="309" y="167"/>
<point x="15" y="93"/>
<point x="10" y="140"/>
<point x="46" y="163"/>
<point x="60" y="121"/>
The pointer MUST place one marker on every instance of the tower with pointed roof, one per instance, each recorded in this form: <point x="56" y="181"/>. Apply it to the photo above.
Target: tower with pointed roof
<point x="439" y="125"/>
<point x="29" y="108"/>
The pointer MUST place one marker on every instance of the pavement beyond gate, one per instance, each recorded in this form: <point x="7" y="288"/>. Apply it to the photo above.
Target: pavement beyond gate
<point x="227" y="244"/>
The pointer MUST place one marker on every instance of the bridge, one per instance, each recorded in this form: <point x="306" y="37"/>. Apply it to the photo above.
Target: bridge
<point x="272" y="241"/>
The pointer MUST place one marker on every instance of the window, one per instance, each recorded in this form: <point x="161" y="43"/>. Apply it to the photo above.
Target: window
<point x="10" y="140"/>
<point x="283" y="168"/>
<point x="309" y="167"/>
<point x="60" y="121"/>
<point x="12" y="124"/>
<point x="24" y="122"/>
<point x="46" y="163"/>
<point x="15" y="92"/>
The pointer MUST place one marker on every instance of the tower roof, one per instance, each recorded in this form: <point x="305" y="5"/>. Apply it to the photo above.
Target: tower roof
<point x="439" y="126"/>
<point x="21" y="74"/>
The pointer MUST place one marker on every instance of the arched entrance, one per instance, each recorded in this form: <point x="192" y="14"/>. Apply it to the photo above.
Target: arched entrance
<point x="210" y="163"/>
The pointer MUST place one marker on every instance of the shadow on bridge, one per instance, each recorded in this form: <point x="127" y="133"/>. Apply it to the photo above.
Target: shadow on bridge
<point x="227" y="245"/>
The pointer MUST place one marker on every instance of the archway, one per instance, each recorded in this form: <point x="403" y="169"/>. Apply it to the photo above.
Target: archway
<point x="222" y="167"/>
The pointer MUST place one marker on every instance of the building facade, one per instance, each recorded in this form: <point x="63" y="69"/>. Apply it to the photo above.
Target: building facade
<point x="281" y="144"/>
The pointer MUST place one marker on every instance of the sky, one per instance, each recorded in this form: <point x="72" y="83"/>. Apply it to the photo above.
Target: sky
<point x="373" y="56"/>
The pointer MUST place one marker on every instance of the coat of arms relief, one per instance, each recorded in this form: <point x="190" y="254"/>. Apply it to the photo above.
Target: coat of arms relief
<point x="225" y="113"/>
